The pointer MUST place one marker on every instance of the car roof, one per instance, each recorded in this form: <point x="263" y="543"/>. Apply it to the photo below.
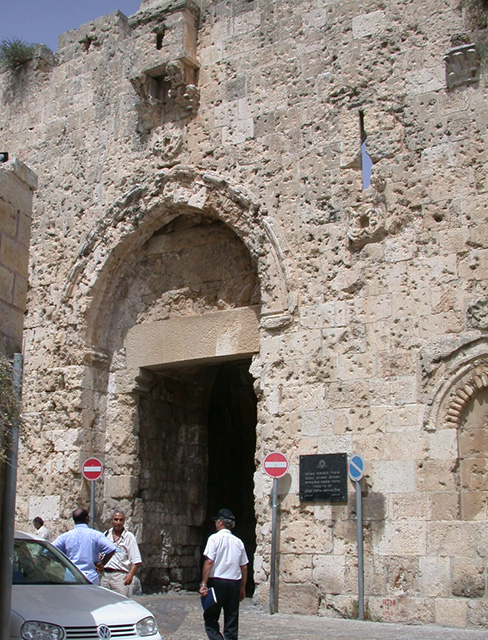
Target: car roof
<point x="21" y="535"/>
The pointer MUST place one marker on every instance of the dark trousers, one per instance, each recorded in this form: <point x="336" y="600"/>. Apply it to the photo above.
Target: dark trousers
<point x="227" y="593"/>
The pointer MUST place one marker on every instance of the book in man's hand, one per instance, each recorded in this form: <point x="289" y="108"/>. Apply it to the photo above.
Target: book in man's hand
<point x="209" y="600"/>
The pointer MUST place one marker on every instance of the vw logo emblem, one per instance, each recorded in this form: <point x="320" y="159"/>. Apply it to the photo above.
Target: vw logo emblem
<point x="104" y="632"/>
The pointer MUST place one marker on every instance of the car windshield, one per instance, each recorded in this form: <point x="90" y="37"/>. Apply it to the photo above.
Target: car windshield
<point x="38" y="562"/>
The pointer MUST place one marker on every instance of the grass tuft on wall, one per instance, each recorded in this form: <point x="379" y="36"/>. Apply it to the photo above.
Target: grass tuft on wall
<point x="15" y="54"/>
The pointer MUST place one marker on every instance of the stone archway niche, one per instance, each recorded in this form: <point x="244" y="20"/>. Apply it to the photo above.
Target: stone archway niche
<point x="458" y="410"/>
<point x="133" y="219"/>
<point x="153" y="363"/>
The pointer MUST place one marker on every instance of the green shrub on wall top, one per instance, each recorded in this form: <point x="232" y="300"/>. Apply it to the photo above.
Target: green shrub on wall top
<point x="15" y="53"/>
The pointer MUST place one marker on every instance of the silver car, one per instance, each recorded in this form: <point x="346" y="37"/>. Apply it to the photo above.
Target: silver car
<point x="52" y="600"/>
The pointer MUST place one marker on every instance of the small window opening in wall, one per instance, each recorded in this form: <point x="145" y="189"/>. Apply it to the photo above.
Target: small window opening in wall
<point x="366" y="162"/>
<point x="159" y="39"/>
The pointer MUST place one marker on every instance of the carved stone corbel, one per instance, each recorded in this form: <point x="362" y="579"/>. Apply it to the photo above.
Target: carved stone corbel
<point x="168" y="82"/>
<point x="462" y="65"/>
<point x="167" y="144"/>
<point x="365" y="225"/>
<point x="477" y="314"/>
<point x="185" y="95"/>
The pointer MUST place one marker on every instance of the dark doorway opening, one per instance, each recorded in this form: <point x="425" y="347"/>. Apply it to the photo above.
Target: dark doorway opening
<point x="232" y="416"/>
<point x="197" y="442"/>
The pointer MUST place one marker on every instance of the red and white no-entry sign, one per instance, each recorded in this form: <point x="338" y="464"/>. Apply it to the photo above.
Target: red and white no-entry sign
<point x="92" y="469"/>
<point x="275" y="464"/>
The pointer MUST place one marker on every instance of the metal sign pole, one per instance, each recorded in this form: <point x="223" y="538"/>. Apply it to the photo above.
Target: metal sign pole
<point x="273" y="548"/>
<point x="356" y="473"/>
<point x="92" y="504"/>
<point x="359" y="515"/>
<point x="275" y="465"/>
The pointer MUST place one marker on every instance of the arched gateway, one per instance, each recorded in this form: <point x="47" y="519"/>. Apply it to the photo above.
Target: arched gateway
<point x="175" y="284"/>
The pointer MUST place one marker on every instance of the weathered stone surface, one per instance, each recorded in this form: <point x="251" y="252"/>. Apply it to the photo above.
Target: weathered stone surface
<point x="451" y="613"/>
<point x="202" y="160"/>
<point x="17" y="184"/>
<point x="298" y="598"/>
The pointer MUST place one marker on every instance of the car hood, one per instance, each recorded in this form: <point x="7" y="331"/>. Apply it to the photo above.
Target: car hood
<point x="74" y="605"/>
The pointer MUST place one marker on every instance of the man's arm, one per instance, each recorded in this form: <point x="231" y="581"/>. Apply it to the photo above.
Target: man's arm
<point x="243" y="582"/>
<point x="130" y="575"/>
<point x="106" y="550"/>
<point x="101" y="563"/>
<point x="106" y="547"/>
<point x="134" y="556"/>
<point x="207" y="565"/>
<point x="59" y="544"/>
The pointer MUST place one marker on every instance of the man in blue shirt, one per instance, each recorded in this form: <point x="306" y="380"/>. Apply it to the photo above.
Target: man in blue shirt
<point x="84" y="546"/>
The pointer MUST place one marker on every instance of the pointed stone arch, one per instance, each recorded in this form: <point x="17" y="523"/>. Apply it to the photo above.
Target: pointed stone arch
<point x="463" y="374"/>
<point x="125" y="386"/>
<point x="132" y="219"/>
<point x="457" y="417"/>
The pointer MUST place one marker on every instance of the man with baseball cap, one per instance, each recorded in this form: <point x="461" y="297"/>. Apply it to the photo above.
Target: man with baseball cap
<point x="224" y="569"/>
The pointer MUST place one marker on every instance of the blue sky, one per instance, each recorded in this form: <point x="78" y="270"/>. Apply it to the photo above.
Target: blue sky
<point x="35" y="21"/>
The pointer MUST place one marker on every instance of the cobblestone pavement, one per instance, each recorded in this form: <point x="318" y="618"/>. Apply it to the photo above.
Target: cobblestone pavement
<point x="179" y="617"/>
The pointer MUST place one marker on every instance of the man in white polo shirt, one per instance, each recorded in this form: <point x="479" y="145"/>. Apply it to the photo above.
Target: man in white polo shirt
<point x="120" y="570"/>
<point x="224" y="569"/>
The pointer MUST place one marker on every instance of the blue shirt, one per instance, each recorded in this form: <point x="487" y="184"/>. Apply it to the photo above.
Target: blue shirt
<point x="83" y="547"/>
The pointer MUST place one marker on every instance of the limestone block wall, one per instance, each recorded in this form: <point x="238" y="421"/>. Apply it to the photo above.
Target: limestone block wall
<point x="373" y="330"/>
<point x="172" y="426"/>
<point x="17" y="184"/>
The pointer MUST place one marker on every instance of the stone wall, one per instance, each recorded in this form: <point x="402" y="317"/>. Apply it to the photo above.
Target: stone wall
<point x="17" y="184"/>
<point x="250" y="115"/>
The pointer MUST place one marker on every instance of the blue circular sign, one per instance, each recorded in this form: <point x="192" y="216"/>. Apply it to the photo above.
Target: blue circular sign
<point x="356" y="467"/>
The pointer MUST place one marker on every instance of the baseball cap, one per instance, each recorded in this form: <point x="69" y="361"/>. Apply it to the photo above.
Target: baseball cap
<point x="224" y="514"/>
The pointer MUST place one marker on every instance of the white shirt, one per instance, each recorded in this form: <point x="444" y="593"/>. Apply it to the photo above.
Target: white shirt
<point x="44" y="533"/>
<point x="83" y="545"/>
<point x="127" y="552"/>
<point x="227" y="553"/>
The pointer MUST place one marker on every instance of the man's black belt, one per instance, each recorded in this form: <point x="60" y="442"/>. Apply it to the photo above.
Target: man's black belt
<point x="109" y="570"/>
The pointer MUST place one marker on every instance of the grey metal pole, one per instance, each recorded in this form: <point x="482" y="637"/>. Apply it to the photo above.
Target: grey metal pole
<point x="359" y="514"/>
<point x="272" y="578"/>
<point x="8" y="515"/>
<point x="92" y="504"/>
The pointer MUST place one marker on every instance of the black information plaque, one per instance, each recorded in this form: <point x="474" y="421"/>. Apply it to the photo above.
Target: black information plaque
<point x="323" y="478"/>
